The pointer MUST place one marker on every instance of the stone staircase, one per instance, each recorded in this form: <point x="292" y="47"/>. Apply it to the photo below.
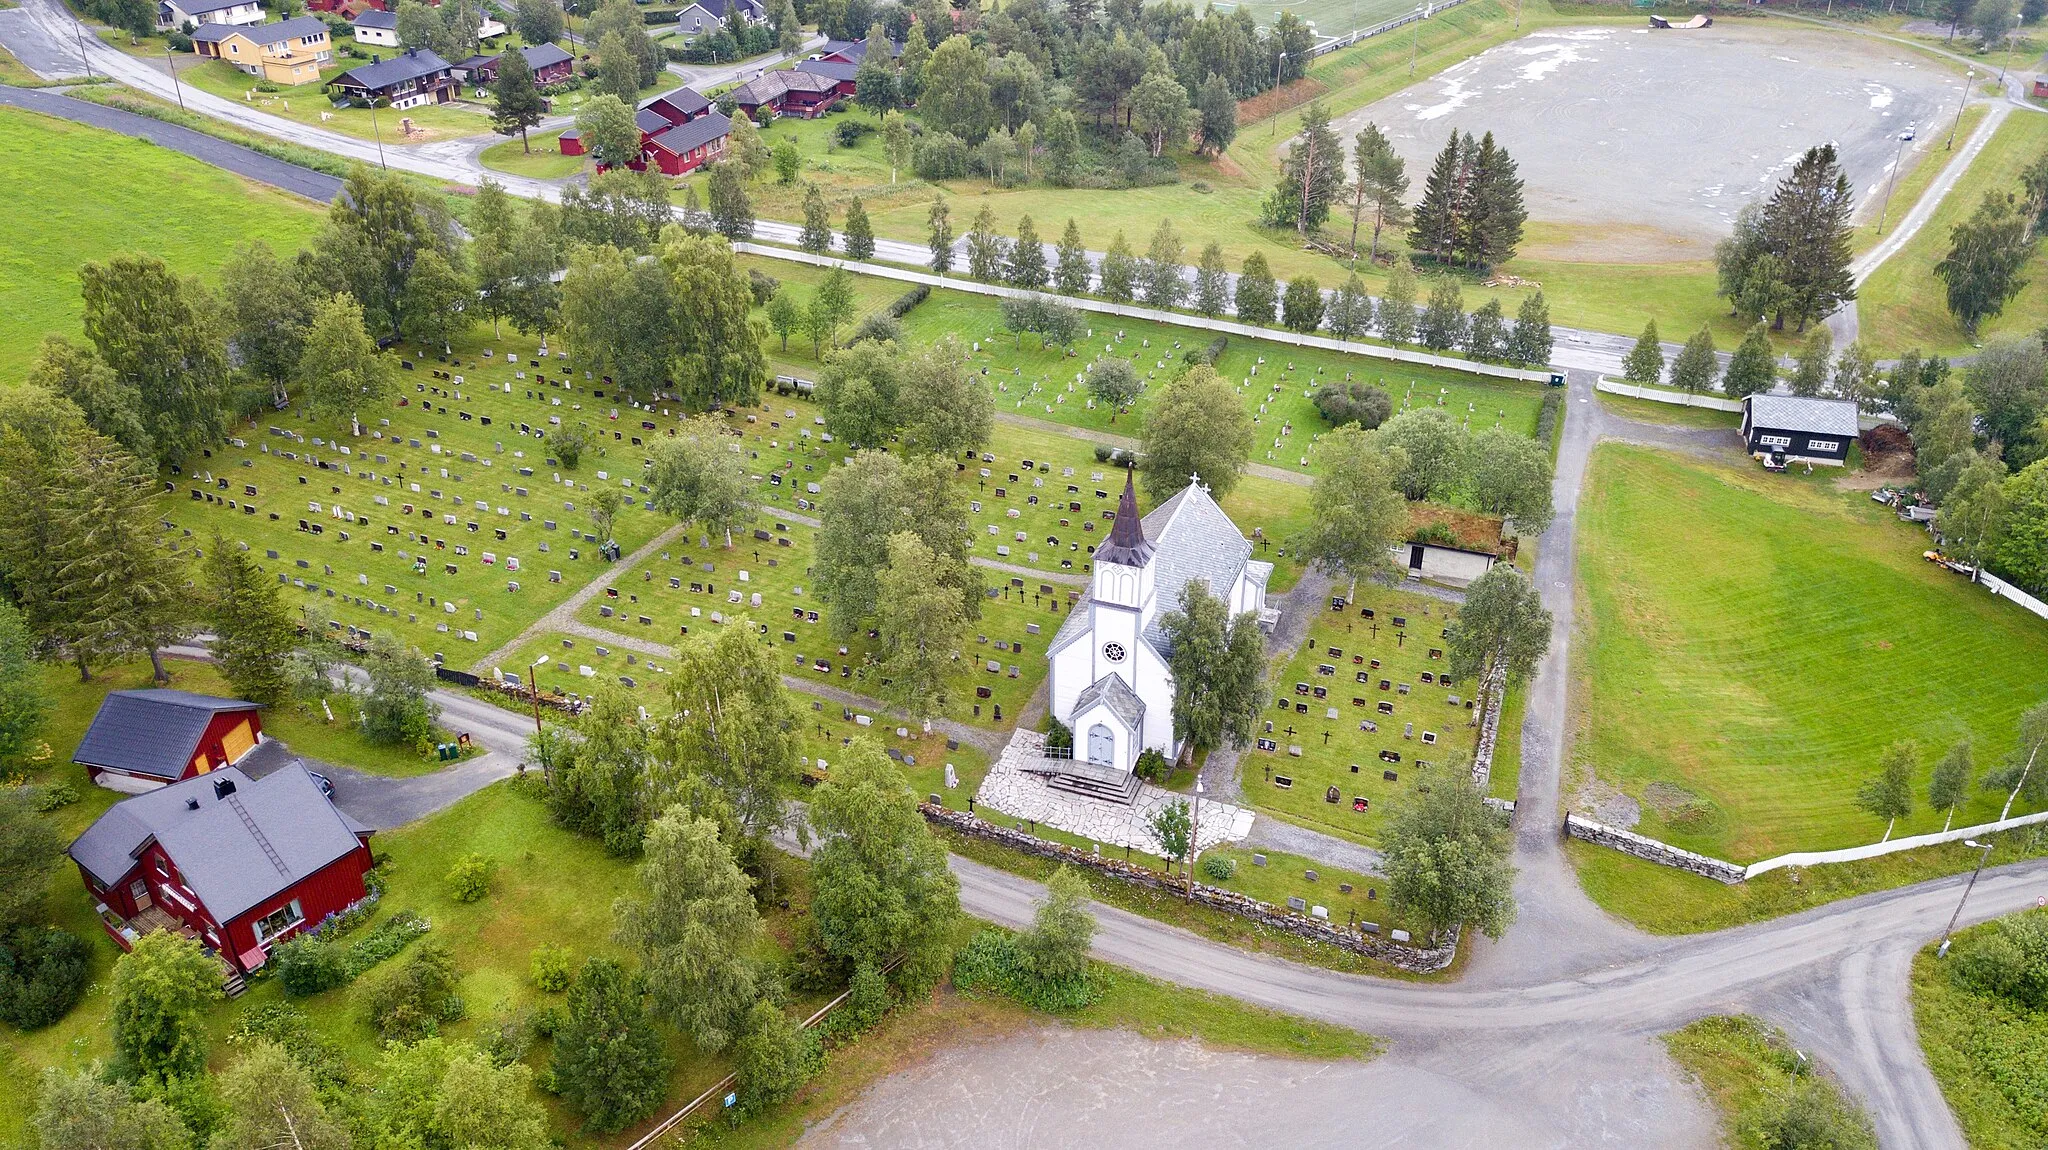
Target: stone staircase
<point x="1124" y="791"/>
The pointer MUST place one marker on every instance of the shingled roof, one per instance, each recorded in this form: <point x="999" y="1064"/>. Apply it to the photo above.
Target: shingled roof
<point x="152" y="732"/>
<point x="244" y="841"/>
<point x="274" y="33"/>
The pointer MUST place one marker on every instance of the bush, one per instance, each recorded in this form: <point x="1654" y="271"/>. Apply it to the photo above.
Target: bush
<point x="307" y="964"/>
<point x="1219" y="867"/>
<point x="1102" y="451"/>
<point x="879" y="328"/>
<point x="178" y="41"/>
<point x="50" y="796"/>
<point x="940" y="156"/>
<point x="508" y="1037"/>
<point x="1152" y="765"/>
<point x="1359" y="403"/>
<point x="903" y="305"/>
<point x="991" y="963"/>
<point x="288" y="1027"/>
<point x="469" y="880"/>
<point x="568" y="444"/>
<point x="850" y="130"/>
<point x="390" y="936"/>
<point x="2009" y="962"/>
<point x="1058" y="736"/>
<point x="409" y="1001"/>
<point x="547" y="1020"/>
<point x="762" y="285"/>
<point x="42" y="976"/>
<point x="867" y="999"/>
<point x="1546" y="416"/>
<point x="552" y="968"/>
<point x="1208" y="353"/>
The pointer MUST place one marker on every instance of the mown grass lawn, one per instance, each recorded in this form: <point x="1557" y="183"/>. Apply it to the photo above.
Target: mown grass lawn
<point x="1901" y="304"/>
<point x="544" y="161"/>
<point x="1985" y="1052"/>
<point x="142" y="198"/>
<point x="1751" y="643"/>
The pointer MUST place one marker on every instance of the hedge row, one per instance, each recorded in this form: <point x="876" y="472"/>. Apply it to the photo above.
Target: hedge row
<point x="902" y="305"/>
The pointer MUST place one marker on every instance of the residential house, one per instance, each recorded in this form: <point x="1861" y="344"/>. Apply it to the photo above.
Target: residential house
<point x="549" y="62"/>
<point x="237" y="864"/>
<point x="788" y="93"/>
<point x="854" y="51"/>
<point x="346" y="9"/>
<point x="687" y="147"/>
<point x="658" y="115"/>
<point x="1781" y="429"/>
<point x="408" y="81"/>
<point x="179" y="13"/>
<point x="142" y="740"/>
<point x="679" y="106"/>
<point x="286" y="52"/>
<point x="709" y="15"/>
<point x="838" y="71"/>
<point x="377" y="28"/>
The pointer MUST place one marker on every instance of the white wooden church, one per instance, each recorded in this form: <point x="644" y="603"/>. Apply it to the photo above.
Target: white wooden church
<point x="1110" y="682"/>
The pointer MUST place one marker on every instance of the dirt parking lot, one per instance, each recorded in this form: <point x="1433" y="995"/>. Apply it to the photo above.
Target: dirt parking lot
<point x="1641" y="146"/>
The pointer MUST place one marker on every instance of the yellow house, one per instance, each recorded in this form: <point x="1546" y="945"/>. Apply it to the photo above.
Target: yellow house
<point x="287" y="52"/>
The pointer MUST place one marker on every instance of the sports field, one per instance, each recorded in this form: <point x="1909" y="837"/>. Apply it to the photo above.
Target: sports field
<point x="144" y="198"/>
<point x="1752" y="643"/>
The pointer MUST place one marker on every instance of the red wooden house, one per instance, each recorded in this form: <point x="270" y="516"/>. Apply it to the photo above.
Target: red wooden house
<point x="687" y="147"/>
<point x="141" y="740"/>
<point x="549" y="63"/>
<point x="654" y="117"/>
<point x="234" y="863"/>
<point x="839" y="72"/>
<point x="788" y="93"/>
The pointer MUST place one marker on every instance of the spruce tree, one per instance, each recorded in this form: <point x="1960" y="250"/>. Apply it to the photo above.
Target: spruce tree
<point x="1694" y="370"/>
<point x="1530" y="341"/>
<point x="1435" y="230"/>
<point x="1027" y="257"/>
<point x="1212" y="282"/>
<point x="1644" y="364"/>
<point x="1396" y="316"/>
<point x="1258" y="295"/>
<point x="1493" y="223"/>
<point x="1753" y="367"/>
<point x="126" y="592"/>
<point x="253" y="632"/>
<point x="516" y="102"/>
<point x="1806" y="224"/>
<point x="1119" y="271"/>
<point x="860" y="234"/>
<point x="609" y="1062"/>
<point x="1072" y="273"/>
<point x="816" y="236"/>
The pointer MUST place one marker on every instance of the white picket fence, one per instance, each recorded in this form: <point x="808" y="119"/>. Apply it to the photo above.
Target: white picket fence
<point x="1660" y="395"/>
<point x="1894" y="846"/>
<point x="1153" y="315"/>
<point x="2004" y="590"/>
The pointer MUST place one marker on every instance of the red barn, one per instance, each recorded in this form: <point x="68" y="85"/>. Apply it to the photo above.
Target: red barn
<point x="570" y="142"/>
<point x="687" y="147"/>
<point x="235" y="863"/>
<point x="141" y="740"/>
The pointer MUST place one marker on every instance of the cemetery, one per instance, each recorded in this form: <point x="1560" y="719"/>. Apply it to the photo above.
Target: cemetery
<point x="1742" y="675"/>
<point x="1364" y="715"/>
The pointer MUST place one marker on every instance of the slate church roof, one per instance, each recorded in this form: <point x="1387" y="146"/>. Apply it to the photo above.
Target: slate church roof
<point x="1123" y="702"/>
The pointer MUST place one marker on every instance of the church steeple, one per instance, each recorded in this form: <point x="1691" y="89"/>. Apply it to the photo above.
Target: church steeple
<point x="1127" y="543"/>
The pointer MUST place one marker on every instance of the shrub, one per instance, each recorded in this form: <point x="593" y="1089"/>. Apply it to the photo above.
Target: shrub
<point x="1219" y="867"/>
<point x="1546" y="416"/>
<point x="552" y="968"/>
<point x="1058" y="736"/>
<point x="940" y="156"/>
<point x="2010" y="962"/>
<point x="547" y="1020"/>
<point x="903" y="305"/>
<point x="385" y="941"/>
<point x="289" y="1028"/>
<point x="469" y="880"/>
<point x="850" y="130"/>
<point x="409" y="1001"/>
<point x="991" y="964"/>
<point x="1152" y="765"/>
<point x="867" y="999"/>
<point x="568" y="444"/>
<point x="307" y="964"/>
<point x="1359" y="403"/>
<point x="762" y="286"/>
<point x="508" y="1037"/>
<point x="42" y="976"/>
<point x="50" y="796"/>
<point x="178" y="41"/>
<point x="1102" y="451"/>
<point x="879" y="328"/>
<point x="1208" y="353"/>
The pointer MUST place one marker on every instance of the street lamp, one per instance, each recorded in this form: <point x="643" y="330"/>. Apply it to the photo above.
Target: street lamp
<point x="1415" y="45"/>
<point x="1277" y="61"/>
<point x="533" y="685"/>
<point x="172" y="64"/>
<point x="84" y="60"/>
<point x="378" y="134"/>
<point x="1894" y="179"/>
<point x="1946" y="934"/>
<point x="1970" y="80"/>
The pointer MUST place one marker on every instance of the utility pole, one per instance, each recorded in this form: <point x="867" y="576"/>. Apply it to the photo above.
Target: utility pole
<point x="1893" y="179"/>
<point x="533" y="685"/>
<point x="83" y="59"/>
<point x="1277" y="61"/>
<point x="1967" y="888"/>
<point x="1967" y="84"/>
<point x="1194" y="835"/>
<point x="378" y="135"/>
<point x="171" y="63"/>
<point x="1415" y="45"/>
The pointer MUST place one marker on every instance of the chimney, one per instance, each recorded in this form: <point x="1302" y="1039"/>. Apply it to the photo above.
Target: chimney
<point x="222" y="788"/>
<point x="191" y="804"/>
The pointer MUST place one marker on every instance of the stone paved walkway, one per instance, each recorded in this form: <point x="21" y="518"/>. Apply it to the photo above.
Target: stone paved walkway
<point x="1010" y="790"/>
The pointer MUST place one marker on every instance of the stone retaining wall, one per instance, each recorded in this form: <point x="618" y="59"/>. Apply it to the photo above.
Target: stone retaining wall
<point x="1420" y="960"/>
<point x="1651" y="850"/>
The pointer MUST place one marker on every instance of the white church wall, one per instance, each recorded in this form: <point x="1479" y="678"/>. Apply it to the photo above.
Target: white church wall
<point x="1070" y="667"/>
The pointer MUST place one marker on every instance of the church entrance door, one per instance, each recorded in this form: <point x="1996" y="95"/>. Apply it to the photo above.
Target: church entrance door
<point x="1101" y="745"/>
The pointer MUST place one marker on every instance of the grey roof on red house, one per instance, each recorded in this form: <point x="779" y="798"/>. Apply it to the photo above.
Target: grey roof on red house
<point x="837" y="70"/>
<point x="856" y="50"/>
<point x="685" y="101"/>
<point x="540" y="56"/>
<point x="275" y="33"/>
<point x="412" y="65"/>
<point x="650" y="121"/>
<point x="202" y="7"/>
<point x="233" y="850"/>
<point x="695" y="134"/>
<point x="152" y="732"/>
<point x="771" y="85"/>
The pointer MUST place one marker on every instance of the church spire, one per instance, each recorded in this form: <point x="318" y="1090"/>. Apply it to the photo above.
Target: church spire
<point x="1127" y="543"/>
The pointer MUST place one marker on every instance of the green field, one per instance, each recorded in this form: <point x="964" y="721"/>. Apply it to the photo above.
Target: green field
<point x="144" y="198"/>
<point x="1751" y="643"/>
<point x="1900" y="305"/>
<point x="1987" y="1052"/>
<point x="544" y="162"/>
<point x="1357" y="672"/>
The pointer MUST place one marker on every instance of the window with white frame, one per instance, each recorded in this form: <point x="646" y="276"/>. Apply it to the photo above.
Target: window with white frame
<point x="278" y="922"/>
<point x="1774" y="440"/>
<point x="1823" y="445"/>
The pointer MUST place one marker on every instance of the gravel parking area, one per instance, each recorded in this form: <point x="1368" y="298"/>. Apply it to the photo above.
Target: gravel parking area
<point x="1641" y="146"/>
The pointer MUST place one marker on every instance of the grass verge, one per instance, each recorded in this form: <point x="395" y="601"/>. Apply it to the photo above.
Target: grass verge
<point x="1748" y="1068"/>
<point x="1988" y="1054"/>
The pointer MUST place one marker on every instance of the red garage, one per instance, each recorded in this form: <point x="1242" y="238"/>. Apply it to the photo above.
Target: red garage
<point x="141" y="740"/>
